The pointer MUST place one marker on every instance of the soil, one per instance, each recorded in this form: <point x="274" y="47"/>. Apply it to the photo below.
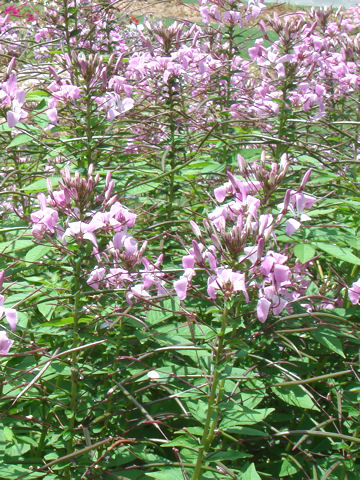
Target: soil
<point x="174" y="9"/>
<point x="179" y="10"/>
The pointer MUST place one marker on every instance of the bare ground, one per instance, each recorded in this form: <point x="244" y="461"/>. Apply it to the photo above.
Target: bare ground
<point x="175" y="9"/>
<point x="180" y="11"/>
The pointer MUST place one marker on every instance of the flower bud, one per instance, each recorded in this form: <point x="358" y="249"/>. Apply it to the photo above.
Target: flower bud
<point x="195" y="228"/>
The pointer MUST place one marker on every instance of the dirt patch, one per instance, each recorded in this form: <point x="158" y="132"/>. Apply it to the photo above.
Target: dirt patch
<point x="175" y="9"/>
<point x="180" y="11"/>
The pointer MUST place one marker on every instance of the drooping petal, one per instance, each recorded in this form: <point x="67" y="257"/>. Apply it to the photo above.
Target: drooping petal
<point x="220" y="193"/>
<point x="12" y="118"/>
<point x="11" y="317"/>
<point x="188" y="261"/>
<point x="291" y="226"/>
<point x="5" y="343"/>
<point x="52" y="115"/>
<point x="262" y="309"/>
<point x="281" y="274"/>
<point x="181" y="286"/>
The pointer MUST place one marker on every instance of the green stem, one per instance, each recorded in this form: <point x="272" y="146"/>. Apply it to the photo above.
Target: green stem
<point x="88" y="126"/>
<point x="214" y="398"/>
<point x="75" y="353"/>
<point x="172" y="154"/>
<point x="67" y="26"/>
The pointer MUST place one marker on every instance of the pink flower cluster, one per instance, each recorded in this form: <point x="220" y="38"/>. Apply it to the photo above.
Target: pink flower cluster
<point x="13" y="11"/>
<point x="317" y="53"/>
<point x="240" y="256"/>
<point x="76" y="213"/>
<point x="216" y="11"/>
<point x="13" y="98"/>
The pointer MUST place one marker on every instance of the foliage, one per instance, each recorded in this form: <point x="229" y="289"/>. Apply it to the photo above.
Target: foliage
<point x="179" y="251"/>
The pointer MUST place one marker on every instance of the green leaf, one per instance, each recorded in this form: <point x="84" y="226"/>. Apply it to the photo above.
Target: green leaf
<point x="16" y="298"/>
<point x="246" y="432"/>
<point x="14" y="246"/>
<point x="46" y="309"/>
<point x="8" y="434"/>
<point x="228" y="455"/>
<point x="342" y="253"/>
<point x="147" y="187"/>
<point x="182" y="441"/>
<point x="36" y="253"/>
<point x="20" y="139"/>
<point x="4" y="127"/>
<point x="288" y="468"/>
<point x="166" y="474"/>
<point x="198" y="410"/>
<point x="243" y="416"/>
<point x="252" y="393"/>
<point x="329" y="339"/>
<point x="304" y="252"/>
<point x="295" y="395"/>
<point x="157" y="315"/>
<point x="36" y="94"/>
<point x="41" y="185"/>
<point x="69" y="321"/>
<point x="16" y="450"/>
<point x="250" y="473"/>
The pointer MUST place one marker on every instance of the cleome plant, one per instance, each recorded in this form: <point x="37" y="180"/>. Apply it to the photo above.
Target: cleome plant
<point x="179" y="248"/>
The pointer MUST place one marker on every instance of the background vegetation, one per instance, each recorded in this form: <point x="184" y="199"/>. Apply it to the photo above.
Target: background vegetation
<point x="179" y="243"/>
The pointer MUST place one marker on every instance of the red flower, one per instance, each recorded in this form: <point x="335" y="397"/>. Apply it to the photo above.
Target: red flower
<point x="134" y="20"/>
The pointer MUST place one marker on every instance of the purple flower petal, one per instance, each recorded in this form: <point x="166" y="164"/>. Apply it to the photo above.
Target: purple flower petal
<point x="262" y="309"/>
<point x="5" y="343"/>
<point x="181" y="287"/>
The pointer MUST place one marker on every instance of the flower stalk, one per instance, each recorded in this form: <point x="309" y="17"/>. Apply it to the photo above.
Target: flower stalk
<point x="215" y="395"/>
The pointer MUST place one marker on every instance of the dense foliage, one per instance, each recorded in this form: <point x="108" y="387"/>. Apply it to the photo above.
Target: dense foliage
<point x="179" y="246"/>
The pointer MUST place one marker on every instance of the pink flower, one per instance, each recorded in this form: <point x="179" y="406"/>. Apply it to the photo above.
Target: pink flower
<point x="45" y="219"/>
<point x="10" y="314"/>
<point x="126" y="241"/>
<point x="52" y="115"/>
<point x="81" y="230"/>
<point x="122" y="214"/>
<point x="95" y="278"/>
<point x="137" y="292"/>
<point x="182" y="284"/>
<point x="262" y="309"/>
<point x="228" y="282"/>
<point x="354" y="292"/>
<point x="291" y="226"/>
<point x="5" y="343"/>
